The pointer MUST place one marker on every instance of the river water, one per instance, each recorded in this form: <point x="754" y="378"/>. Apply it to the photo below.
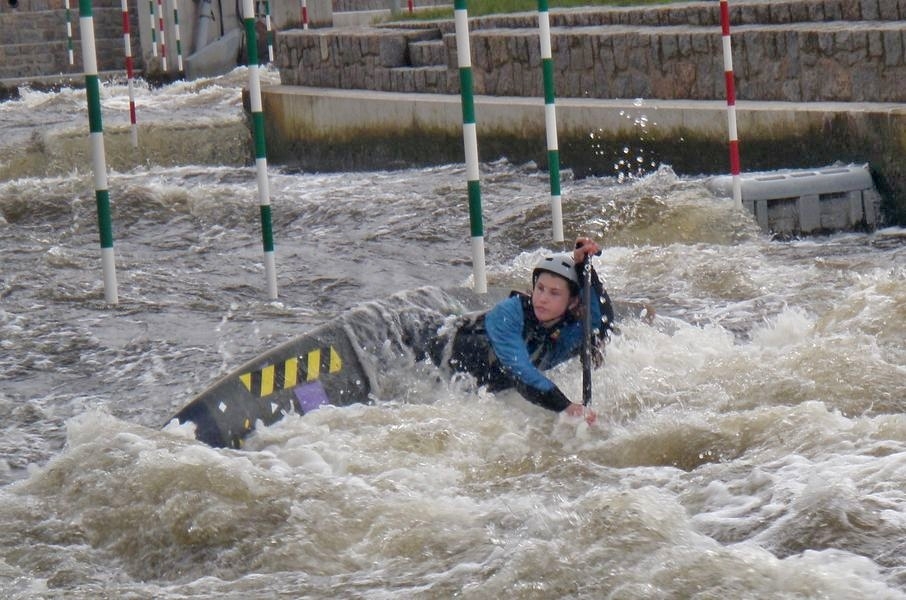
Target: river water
<point x="751" y="441"/>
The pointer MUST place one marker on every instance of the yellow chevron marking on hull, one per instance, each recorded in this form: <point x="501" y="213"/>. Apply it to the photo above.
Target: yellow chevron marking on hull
<point x="291" y="373"/>
<point x="314" y="364"/>
<point x="267" y="381"/>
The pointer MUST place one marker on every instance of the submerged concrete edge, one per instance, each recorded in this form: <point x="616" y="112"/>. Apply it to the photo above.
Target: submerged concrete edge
<point x="326" y="129"/>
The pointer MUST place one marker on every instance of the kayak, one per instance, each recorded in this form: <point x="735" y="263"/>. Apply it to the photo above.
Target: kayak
<point x="343" y="362"/>
<point x="338" y="363"/>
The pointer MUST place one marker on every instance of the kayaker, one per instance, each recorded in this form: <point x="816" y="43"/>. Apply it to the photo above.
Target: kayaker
<point x="510" y="345"/>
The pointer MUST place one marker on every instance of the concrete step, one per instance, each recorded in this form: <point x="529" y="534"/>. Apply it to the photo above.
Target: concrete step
<point x="418" y="79"/>
<point x="431" y="53"/>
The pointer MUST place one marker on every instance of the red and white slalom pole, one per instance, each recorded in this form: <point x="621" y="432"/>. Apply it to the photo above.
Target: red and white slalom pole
<point x="127" y="42"/>
<point x="304" y="14"/>
<point x="731" y="102"/>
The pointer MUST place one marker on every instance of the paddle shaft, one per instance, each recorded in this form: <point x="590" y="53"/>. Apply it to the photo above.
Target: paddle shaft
<point x="586" y="331"/>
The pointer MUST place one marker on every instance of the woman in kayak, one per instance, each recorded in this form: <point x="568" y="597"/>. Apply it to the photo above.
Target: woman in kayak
<point x="510" y="345"/>
<point x="344" y="361"/>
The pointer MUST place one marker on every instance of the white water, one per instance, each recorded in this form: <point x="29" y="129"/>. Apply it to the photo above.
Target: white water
<point x="751" y="441"/>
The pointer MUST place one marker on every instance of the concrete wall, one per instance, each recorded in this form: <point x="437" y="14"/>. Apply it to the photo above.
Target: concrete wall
<point x="344" y="130"/>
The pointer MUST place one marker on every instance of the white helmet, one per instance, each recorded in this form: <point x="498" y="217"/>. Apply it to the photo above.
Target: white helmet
<point x="559" y="264"/>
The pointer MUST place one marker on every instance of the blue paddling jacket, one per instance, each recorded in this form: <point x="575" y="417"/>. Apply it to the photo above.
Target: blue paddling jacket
<point x="507" y="347"/>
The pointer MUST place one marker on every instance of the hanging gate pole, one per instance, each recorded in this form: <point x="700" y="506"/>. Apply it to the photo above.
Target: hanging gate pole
<point x="550" y="120"/>
<point x="470" y="143"/>
<point x="99" y="160"/>
<point x="264" y="195"/>
<point x="731" y="102"/>
<point x="127" y="42"/>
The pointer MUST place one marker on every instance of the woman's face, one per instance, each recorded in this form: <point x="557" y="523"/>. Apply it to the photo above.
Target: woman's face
<point x="550" y="298"/>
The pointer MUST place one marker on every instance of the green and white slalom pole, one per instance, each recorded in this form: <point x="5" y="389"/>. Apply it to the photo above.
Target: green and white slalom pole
<point x="470" y="141"/>
<point x="550" y="119"/>
<point x="153" y="24"/>
<point x="69" y="32"/>
<point x="179" y="64"/>
<point x="270" y="31"/>
<point x="99" y="160"/>
<point x="264" y="195"/>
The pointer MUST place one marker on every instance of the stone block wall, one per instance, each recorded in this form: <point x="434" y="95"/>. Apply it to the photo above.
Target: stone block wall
<point x="35" y="42"/>
<point x="357" y="5"/>
<point x="818" y="50"/>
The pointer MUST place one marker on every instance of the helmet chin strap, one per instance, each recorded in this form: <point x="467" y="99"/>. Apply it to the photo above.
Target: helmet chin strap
<point x="573" y="303"/>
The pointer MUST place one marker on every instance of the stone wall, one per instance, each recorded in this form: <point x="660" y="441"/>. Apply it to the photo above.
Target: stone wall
<point x="35" y="43"/>
<point x="798" y="51"/>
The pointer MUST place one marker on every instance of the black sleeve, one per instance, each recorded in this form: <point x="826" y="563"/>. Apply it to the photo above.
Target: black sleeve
<point x="554" y="399"/>
<point x="607" y="314"/>
<point x="606" y="304"/>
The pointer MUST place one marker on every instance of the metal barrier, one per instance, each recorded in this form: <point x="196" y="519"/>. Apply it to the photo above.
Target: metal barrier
<point x="804" y="201"/>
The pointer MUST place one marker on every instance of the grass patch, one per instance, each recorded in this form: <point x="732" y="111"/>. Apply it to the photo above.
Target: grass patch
<point x="479" y="8"/>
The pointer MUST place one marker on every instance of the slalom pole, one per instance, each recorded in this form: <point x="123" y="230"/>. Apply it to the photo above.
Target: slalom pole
<point x="731" y="102"/>
<point x="411" y="6"/>
<point x="304" y="14"/>
<point x="153" y="21"/>
<point x="69" y="32"/>
<point x="179" y="66"/>
<point x="550" y="119"/>
<point x="264" y="200"/>
<point x="99" y="160"/>
<point x="162" y="36"/>
<point x="470" y="143"/>
<point x="270" y="31"/>
<point x="127" y="42"/>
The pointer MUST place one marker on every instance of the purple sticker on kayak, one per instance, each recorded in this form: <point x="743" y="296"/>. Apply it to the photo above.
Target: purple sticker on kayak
<point x="310" y="396"/>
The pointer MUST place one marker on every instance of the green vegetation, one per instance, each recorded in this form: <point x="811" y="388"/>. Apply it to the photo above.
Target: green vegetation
<point x="478" y="8"/>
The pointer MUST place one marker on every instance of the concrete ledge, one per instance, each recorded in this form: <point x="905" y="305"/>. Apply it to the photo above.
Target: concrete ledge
<point x="359" y="18"/>
<point x="340" y="130"/>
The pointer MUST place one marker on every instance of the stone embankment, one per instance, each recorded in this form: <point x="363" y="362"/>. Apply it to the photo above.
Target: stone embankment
<point x="35" y="46"/>
<point x="786" y="50"/>
<point x="817" y="81"/>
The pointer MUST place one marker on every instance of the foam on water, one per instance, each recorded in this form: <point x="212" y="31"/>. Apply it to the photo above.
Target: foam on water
<point x="750" y="442"/>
